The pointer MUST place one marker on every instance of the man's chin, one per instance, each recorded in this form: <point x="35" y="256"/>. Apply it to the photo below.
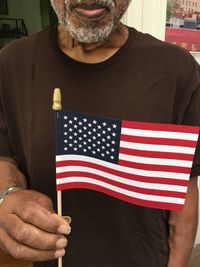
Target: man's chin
<point x="89" y="36"/>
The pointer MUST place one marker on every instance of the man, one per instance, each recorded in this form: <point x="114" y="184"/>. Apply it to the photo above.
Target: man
<point x="103" y="68"/>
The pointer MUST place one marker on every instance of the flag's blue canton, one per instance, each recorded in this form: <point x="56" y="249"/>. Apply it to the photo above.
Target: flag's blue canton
<point x="88" y="135"/>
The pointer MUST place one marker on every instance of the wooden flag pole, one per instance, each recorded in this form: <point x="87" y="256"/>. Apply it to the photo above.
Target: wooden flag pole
<point x="58" y="106"/>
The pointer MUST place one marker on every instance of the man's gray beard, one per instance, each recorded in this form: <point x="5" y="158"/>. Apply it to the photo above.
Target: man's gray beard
<point x="89" y="34"/>
<point x="91" y="31"/>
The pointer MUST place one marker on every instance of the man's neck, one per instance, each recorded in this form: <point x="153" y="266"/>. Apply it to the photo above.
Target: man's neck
<point x="95" y="52"/>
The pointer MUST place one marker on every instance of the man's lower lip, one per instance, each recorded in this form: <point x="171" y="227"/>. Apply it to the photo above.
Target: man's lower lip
<point x="90" y="14"/>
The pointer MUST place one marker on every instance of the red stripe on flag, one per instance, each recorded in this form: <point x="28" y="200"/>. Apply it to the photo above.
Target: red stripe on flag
<point x="119" y="173"/>
<point x="140" y="190"/>
<point x="161" y="127"/>
<point x="135" y="201"/>
<point x="154" y="154"/>
<point x="158" y="141"/>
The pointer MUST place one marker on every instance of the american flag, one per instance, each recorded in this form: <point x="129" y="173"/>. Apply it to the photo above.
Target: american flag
<point x="146" y="164"/>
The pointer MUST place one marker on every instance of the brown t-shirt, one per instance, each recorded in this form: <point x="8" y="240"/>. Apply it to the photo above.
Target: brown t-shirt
<point x="146" y="80"/>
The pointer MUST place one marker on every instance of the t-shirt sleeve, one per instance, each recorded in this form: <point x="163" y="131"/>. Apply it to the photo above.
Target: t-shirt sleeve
<point x="5" y="145"/>
<point x="192" y="112"/>
<point x="196" y="163"/>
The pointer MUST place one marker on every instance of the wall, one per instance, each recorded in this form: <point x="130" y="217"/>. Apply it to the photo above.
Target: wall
<point x="196" y="55"/>
<point x="29" y="10"/>
<point x="48" y="15"/>
<point x="148" y="16"/>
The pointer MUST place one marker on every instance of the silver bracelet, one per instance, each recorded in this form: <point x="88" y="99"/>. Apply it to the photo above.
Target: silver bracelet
<point x="8" y="190"/>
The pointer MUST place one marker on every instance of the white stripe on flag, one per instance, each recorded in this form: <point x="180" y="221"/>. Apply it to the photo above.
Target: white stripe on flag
<point x="157" y="148"/>
<point x="147" y="185"/>
<point x="126" y="192"/>
<point x="159" y="134"/>
<point x="133" y="171"/>
<point x="156" y="161"/>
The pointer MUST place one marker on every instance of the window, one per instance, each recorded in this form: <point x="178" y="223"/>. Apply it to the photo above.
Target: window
<point x="183" y="24"/>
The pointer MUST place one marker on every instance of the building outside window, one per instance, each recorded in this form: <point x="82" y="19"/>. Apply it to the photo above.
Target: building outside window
<point x="183" y="23"/>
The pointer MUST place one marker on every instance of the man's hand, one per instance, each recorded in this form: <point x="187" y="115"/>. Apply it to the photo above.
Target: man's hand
<point x="183" y="226"/>
<point x="29" y="229"/>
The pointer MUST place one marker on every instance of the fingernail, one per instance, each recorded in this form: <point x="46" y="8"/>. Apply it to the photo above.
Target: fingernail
<point x="61" y="243"/>
<point x="59" y="253"/>
<point x="68" y="219"/>
<point x="64" y="229"/>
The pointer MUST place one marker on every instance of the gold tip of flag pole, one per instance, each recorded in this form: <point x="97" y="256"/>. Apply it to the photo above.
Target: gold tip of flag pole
<point x="57" y="105"/>
<point x="57" y="99"/>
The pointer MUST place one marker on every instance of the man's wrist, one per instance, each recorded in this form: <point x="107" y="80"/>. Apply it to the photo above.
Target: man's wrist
<point x="8" y="190"/>
<point x="10" y="174"/>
